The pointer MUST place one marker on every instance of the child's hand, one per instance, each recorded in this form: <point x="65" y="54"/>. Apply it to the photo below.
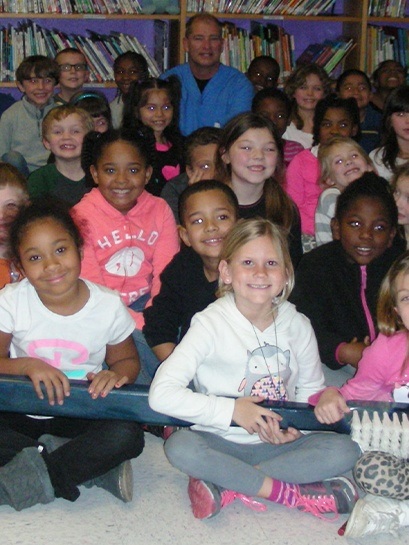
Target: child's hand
<point x="197" y="175"/>
<point x="277" y="436"/>
<point x="331" y="407"/>
<point x="250" y="416"/>
<point x="57" y="385"/>
<point x="103" y="382"/>
<point x="351" y="353"/>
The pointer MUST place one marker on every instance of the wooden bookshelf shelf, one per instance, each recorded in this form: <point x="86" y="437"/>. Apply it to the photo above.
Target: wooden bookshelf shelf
<point x="301" y="18"/>
<point x="85" y="16"/>
<point x="389" y="20"/>
<point x="348" y="19"/>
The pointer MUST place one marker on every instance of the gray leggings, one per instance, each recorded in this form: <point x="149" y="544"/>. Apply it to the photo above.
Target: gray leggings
<point x="311" y="458"/>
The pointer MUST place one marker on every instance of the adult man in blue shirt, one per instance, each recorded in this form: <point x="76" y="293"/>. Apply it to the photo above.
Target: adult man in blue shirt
<point x="212" y="93"/>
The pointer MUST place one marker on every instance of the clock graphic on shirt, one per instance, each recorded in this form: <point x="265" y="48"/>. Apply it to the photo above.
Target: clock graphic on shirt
<point x="125" y="262"/>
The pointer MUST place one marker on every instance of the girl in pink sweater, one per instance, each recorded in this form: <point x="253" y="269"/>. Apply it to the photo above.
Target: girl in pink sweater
<point x="130" y="235"/>
<point x="333" y="117"/>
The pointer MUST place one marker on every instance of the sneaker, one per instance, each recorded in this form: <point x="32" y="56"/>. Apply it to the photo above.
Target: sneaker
<point x="118" y="481"/>
<point x="374" y="515"/>
<point x="336" y="496"/>
<point x="207" y="499"/>
<point x="168" y="430"/>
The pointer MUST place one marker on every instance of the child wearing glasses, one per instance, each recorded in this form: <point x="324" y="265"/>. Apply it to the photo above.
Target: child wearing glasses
<point x="73" y="73"/>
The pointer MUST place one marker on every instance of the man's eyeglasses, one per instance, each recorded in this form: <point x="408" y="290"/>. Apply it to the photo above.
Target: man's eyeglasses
<point x="80" y="67"/>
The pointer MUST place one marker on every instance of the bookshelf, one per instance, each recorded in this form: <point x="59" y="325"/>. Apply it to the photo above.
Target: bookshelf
<point x="138" y="28"/>
<point x="386" y="37"/>
<point x="347" y="18"/>
<point x="344" y="19"/>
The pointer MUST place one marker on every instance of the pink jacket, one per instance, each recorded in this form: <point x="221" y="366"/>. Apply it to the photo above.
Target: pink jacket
<point x="126" y="253"/>
<point x="302" y="186"/>
<point x="379" y="371"/>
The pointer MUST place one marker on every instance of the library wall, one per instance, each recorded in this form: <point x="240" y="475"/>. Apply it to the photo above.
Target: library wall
<point x="143" y="30"/>
<point x="346" y="18"/>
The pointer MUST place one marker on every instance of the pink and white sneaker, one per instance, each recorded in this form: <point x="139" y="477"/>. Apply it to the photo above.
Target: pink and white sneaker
<point x="207" y="499"/>
<point x="332" y="496"/>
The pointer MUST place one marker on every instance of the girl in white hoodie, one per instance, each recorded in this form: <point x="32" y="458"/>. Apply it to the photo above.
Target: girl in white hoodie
<point x="248" y="346"/>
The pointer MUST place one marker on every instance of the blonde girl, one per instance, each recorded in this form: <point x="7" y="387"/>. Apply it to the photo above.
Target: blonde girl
<point x="400" y="186"/>
<point x="250" y="345"/>
<point x="333" y="116"/>
<point x="342" y="160"/>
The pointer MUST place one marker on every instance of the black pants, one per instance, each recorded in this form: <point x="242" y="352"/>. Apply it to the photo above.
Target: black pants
<point x="96" y="446"/>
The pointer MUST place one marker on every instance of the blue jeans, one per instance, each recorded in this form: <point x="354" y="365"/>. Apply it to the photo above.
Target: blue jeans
<point x="149" y="362"/>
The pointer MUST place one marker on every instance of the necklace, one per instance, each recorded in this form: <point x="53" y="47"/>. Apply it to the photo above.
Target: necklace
<point x="280" y="395"/>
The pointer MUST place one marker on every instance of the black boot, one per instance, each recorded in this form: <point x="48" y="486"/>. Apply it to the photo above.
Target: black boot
<point x="118" y="481"/>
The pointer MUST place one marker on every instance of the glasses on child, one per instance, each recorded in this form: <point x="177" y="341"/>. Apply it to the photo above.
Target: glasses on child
<point x="79" y="67"/>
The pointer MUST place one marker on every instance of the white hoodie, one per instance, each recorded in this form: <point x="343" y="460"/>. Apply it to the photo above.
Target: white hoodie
<point x="227" y="358"/>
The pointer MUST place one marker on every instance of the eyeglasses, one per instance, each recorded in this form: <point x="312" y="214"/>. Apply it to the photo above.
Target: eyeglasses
<point x="80" y="67"/>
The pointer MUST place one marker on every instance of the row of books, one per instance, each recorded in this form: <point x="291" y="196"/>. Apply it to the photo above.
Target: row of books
<point x="384" y="43"/>
<point x="100" y="50"/>
<point x="387" y="8"/>
<point x="71" y="6"/>
<point x="329" y="54"/>
<point x="242" y="46"/>
<point x="270" y="7"/>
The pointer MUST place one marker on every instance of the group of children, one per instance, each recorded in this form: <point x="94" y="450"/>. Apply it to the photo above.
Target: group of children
<point x="204" y="284"/>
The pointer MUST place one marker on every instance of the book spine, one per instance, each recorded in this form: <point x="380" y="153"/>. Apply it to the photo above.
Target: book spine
<point x="338" y="56"/>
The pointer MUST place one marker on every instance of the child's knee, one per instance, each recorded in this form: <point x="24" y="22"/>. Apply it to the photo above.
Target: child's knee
<point x="128" y="437"/>
<point x="348" y="449"/>
<point x="182" y="447"/>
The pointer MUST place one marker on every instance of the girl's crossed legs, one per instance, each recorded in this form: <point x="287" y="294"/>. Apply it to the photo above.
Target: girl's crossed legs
<point x="249" y="469"/>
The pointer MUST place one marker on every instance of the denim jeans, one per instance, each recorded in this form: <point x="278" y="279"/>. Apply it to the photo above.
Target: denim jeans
<point x="96" y="446"/>
<point x="149" y="362"/>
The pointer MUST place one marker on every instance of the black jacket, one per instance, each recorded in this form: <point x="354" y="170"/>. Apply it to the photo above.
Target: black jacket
<point x="185" y="290"/>
<point x="327" y="290"/>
